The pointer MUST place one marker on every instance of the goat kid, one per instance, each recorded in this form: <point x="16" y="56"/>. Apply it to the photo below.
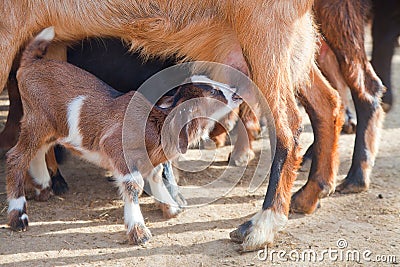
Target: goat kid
<point x="64" y="104"/>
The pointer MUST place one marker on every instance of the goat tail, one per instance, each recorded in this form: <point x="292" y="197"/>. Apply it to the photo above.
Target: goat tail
<point x="37" y="48"/>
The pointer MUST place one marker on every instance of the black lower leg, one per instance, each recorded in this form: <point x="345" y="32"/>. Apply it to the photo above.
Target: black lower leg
<point x="357" y="178"/>
<point x="281" y="153"/>
<point x="58" y="184"/>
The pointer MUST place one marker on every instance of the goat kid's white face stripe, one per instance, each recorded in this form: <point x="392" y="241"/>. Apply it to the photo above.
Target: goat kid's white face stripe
<point x="228" y="96"/>
<point x="73" y="116"/>
<point x="16" y="204"/>
<point x="205" y="79"/>
<point x="226" y="90"/>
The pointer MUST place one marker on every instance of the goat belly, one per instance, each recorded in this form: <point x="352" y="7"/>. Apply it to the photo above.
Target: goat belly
<point x="93" y="157"/>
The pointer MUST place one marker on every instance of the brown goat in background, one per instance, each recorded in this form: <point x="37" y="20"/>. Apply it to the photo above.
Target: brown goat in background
<point x="342" y="25"/>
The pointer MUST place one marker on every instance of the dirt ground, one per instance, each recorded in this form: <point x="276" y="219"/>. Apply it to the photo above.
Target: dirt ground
<point x="85" y="226"/>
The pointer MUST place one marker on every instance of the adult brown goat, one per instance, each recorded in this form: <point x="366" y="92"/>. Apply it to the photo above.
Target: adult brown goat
<point x="277" y="39"/>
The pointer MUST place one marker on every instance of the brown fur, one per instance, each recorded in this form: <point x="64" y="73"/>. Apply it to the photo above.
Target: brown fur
<point x="47" y="88"/>
<point x="346" y="38"/>
<point x="277" y="39"/>
<point x="329" y="66"/>
<point x="9" y="135"/>
<point x="323" y="106"/>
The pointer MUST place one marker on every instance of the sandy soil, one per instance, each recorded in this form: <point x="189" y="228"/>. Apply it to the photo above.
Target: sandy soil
<point x="85" y="226"/>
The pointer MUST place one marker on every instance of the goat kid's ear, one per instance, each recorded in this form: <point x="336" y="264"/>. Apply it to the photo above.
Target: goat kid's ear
<point x="177" y="96"/>
<point x="182" y="124"/>
<point x="183" y="141"/>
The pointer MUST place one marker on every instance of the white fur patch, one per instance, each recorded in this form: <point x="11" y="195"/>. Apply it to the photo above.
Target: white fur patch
<point x="94" y="157"/>
<point x="205" y="79"/>
<point x="110" y="131"/>
<point x="130" y="177"/>
<point x="16" y="204"/>
<point x="132" y="213"/>
<point x="73" y="116"/>
<point x="158" y="189"/>
<point x="46" y="35"/>
<point x="264" y="226"/>
<point x="24" y="217"/>
<point x="226" y="90"/>
<point x="38" y="168"/>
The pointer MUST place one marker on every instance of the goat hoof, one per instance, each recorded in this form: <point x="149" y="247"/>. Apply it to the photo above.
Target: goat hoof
<point x="350" y="123"/>
<point x="356" y="181"/>
<point x="180" y="200"/>
<point x="219" y="141"/>
<point x="209" y="144"/>
<point x="18" y="220"/>
<point x="259" y="231"/>
<point x="169" y="211"/>
<point x="302" y="203"/>
<point x="58" y="184"/>
<point x="241" y="159"/>
<point x="387" y="101"/>
<point x="43" y="195"/>
<point x="349" y="127"/>
<point x="248" y="237"/>
<point x="306" y="199"/>
<point x="386" y="107"/>
<point x="238" y="235"/>
<point x="139" y="234"/>
<point x="349" y="187"/>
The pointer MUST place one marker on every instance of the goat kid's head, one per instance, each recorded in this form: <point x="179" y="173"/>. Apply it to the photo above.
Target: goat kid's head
<point x="197" y="106"/>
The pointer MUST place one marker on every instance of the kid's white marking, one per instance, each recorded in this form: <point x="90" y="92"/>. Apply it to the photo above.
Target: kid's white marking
<point x="205" y="79"/>
<point x="24" y="217"/>
<point x="73" y="116"/>
<point x="94" y="157"/>
<point x="38" y="168"/>
<point x="132" y="213"/>
<point x="46" y="35"/>
<point x="226" y="90"/>
<point x="158" y="189"/>
<point x="110" y="131"/>
<point x="16" y="204"/>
